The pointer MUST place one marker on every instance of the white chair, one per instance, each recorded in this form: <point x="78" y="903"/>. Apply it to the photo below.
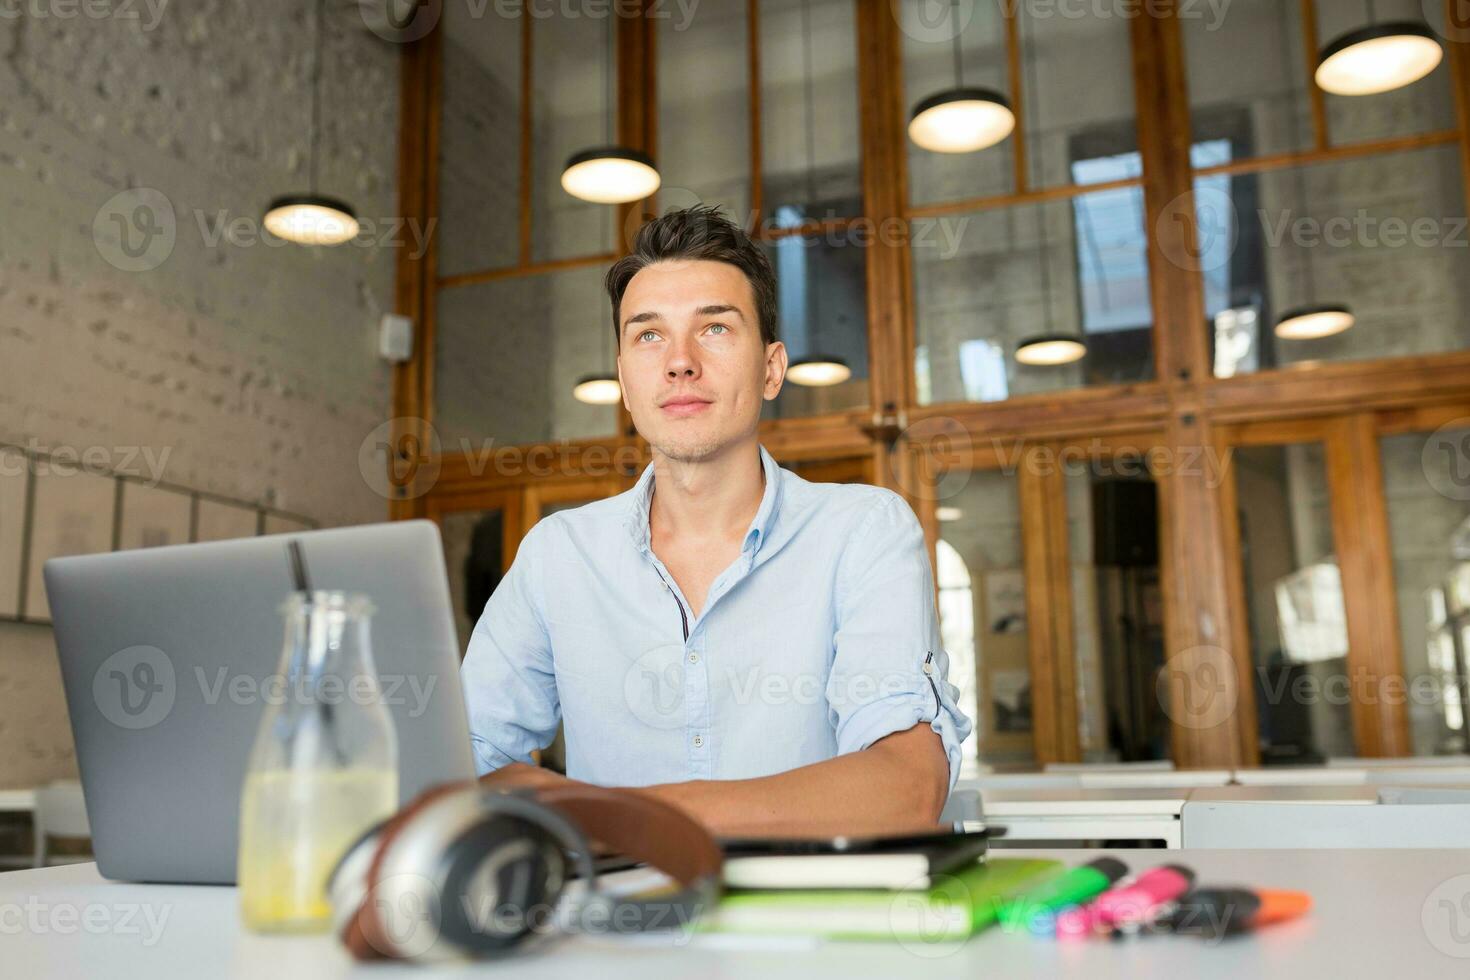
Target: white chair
<point x="61" y="811"/>
<point x="1325" y="825"/>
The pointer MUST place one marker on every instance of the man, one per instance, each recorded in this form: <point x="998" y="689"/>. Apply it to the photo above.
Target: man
<point x="757" y="649"/>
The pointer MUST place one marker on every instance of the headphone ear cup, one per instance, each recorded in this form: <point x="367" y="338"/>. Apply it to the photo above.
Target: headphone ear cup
<point x="347" y="888"/>
<point x="503" y="878"/>
<point x="352" y="883"/>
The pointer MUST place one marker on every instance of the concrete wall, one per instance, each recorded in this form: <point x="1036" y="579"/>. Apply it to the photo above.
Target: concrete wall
<point x="248" y="369"/>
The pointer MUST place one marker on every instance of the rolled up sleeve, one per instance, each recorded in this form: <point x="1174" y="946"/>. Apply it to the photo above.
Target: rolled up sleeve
<point x="887" y="631"/>
<point x="508" y="676"/>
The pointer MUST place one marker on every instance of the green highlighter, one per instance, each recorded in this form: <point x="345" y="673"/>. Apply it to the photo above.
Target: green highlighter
<point x="1058" y="891"/>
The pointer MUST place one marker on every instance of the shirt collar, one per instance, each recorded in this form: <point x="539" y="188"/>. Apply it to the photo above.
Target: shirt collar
<point x="641" y="496"/>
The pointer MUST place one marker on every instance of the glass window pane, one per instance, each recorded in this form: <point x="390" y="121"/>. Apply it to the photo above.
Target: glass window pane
<point x="508" y="353"/>
<point x="574" y="91"/>
<point x="1118" y="625"/>
<point x="1427" y="481"/>
<point x="809" y="108"/>
<point x="479" y="143"/>
<point x="1249" y="76"/>
<point x="928" y="68"/>
<point x="982" y="607"/>
<point x="1384" y="236"/>
<point x="1294" y="603"/>
<point x="984" y="282"/>
<point x="822" y="309"/>
<point x="1077" y="82"/>
<point x="473" y="554"/>
<point x="704" y="111"/>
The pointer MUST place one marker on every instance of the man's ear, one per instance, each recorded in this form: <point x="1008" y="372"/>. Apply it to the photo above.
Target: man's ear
<point x="775" y="369"/>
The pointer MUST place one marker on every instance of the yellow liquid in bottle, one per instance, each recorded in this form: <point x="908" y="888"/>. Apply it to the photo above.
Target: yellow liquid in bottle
<point x="294" y="826"/>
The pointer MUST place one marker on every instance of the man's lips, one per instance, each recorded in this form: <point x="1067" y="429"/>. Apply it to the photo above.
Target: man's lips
<point x="684" y="405"/>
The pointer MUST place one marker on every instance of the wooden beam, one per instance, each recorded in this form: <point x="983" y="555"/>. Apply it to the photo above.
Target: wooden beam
<point x="1365" y="560"/>
<point x="753" y="67"/>
<point x="1052" y="645"/>
<point x="527" y="136"/>
<point x="412" y="381"/>
<point x="1307" y="13"/>
<point x="1202" y="670"/>
<point x="1235" y="591"/>
<point x="1323" y="388"/>
<point x="1014" y="54"/>
<point x="480" y="276"/>
<point x="885" y="191"/>
<point x="1332" y="154"/>
<point x="1457" y="26"/>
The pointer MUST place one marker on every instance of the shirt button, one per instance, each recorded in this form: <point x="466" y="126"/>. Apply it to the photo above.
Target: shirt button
<point x="698" y="741"/>
<point x="694" y="658"/>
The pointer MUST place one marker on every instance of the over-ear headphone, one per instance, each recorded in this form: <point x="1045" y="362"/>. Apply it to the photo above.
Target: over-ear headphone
<point x="465" y="870"/>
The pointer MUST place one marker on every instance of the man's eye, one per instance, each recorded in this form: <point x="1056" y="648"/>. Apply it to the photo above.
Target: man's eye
<point x="647" y="333"/>
<point x="719" y="326"/>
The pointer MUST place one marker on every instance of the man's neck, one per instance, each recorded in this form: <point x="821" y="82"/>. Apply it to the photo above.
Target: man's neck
<point x="712" y="499"/>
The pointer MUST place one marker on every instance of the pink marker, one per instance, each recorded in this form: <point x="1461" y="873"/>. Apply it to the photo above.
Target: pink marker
<point x="1127" y="905"/>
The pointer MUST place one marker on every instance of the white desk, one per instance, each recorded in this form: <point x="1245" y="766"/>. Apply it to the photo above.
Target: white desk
<point x="1286" y="794"/>
<point x="1377" y="914"/>
<point x="1086" y="814"/>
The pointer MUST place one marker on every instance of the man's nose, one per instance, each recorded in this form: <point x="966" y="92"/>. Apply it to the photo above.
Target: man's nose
<point x="682" y="362"/>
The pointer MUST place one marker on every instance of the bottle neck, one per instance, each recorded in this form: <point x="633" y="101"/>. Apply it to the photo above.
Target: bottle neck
<point x="328" y="636"/>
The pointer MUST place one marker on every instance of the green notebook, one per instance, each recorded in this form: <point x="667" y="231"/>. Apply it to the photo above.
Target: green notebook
<point x="959" y="906"/>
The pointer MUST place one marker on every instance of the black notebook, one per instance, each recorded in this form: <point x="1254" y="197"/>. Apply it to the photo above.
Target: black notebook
<point x="909" y="861"/>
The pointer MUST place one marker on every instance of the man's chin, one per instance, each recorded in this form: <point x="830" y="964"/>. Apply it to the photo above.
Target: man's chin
<point x="687" y="451"/>
<point x="689" y="447"/>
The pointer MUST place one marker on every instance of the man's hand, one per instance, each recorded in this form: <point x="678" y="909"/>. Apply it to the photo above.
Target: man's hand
<point x="897" y="785"/>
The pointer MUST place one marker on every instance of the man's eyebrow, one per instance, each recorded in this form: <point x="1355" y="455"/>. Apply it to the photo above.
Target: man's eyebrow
<point x="713" y="309"/>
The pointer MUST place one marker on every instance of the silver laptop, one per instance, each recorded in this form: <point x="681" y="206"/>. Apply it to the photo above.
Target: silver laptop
<point x="164" y="652"/>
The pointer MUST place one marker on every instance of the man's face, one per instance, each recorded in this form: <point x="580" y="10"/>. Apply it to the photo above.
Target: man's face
<point x="691" y="362"/>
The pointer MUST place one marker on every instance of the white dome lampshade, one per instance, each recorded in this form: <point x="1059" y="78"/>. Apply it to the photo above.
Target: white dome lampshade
<point x="1378" y="58"/>
<point x="610" y="175"/>
<point x="818" y="371"/>
<point x="961" y="120"/>
<point x="598" y="389"/>
<point x="311" y="219"/>
<point x="1314" y="322"/>
<point x="1051" y="349"/>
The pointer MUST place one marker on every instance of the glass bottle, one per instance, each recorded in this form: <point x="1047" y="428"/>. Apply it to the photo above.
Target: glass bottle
<point x="324" y="766"/>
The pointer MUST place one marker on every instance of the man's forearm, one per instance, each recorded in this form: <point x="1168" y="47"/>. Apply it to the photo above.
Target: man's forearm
<point x="896" y="785"/>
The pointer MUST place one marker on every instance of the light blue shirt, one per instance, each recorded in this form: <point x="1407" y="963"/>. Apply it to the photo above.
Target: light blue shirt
<point x="818" y="640"/>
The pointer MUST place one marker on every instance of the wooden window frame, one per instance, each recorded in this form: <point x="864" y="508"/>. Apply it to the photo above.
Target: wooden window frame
<point x="1184" y="405"/>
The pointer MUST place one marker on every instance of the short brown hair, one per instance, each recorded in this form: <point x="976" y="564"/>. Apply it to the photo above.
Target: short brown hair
<point x="698" y="232"/>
